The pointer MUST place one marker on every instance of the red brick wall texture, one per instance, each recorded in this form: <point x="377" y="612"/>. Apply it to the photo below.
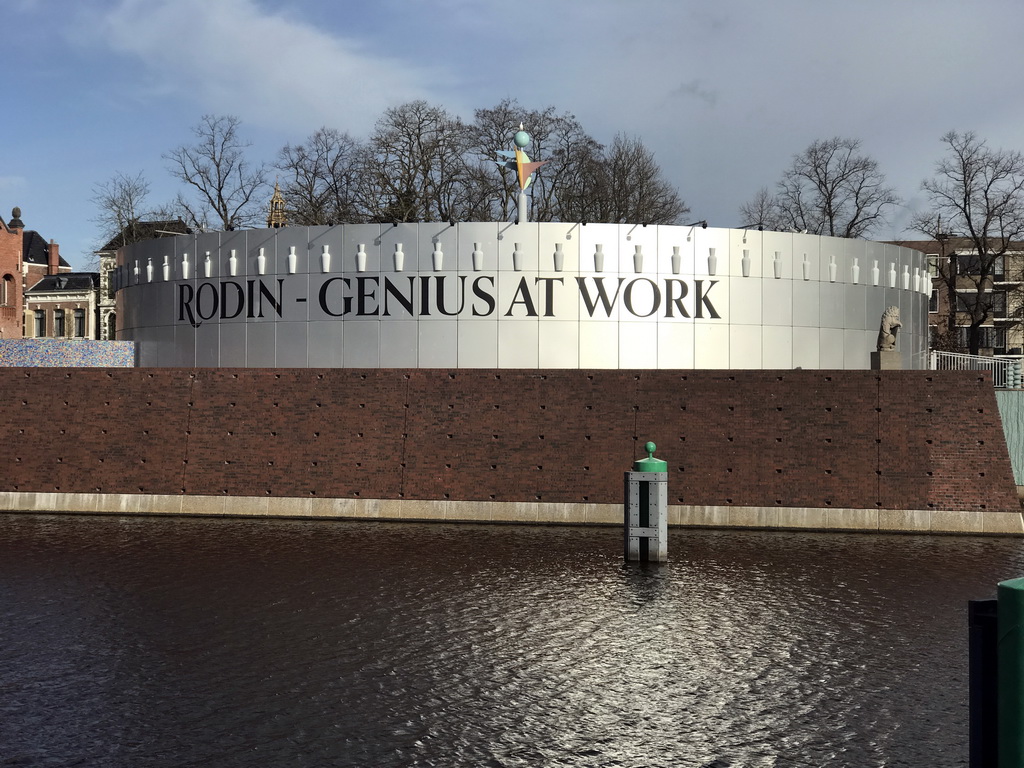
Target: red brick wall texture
<point x="845" y="439"/>
<point x="11" y="316"/>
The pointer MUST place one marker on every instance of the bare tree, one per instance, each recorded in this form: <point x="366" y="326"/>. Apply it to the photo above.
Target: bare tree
<point x="121" y="205"/>
<point x="977" y="193"/>
<point x="493" y="189"/>
<point x="321" y="178"/>
<point x="762" y="211"/>
<point x="581" y="180"/>
<point x="553" y="138"/>
<point x="225" y="183"/>
<point x="422" y="163"/>
<point x="944" y="245"/>
<point x="631" y="187"/>
<point x="125" y="215"/>
<point x="830" y="189"/>
<point x="413" y="166"/>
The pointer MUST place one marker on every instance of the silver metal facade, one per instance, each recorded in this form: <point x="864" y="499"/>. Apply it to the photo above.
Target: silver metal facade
<point x="505" y="295"/>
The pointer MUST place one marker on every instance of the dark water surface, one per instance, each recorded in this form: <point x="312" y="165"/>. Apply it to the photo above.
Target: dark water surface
<point x="188" y="642"/>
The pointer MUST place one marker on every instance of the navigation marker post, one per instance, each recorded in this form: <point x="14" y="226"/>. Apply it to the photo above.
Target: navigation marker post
<point x="645" y="510"/>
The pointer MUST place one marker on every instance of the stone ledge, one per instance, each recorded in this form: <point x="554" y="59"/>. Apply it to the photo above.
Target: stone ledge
<point x="524" y="512"/>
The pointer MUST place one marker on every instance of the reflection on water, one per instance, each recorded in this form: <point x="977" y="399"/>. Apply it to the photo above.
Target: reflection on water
<point x="176" y="642"/>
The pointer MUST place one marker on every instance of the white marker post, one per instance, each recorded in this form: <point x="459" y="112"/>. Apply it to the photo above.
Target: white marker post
<point x="645" y="523"/>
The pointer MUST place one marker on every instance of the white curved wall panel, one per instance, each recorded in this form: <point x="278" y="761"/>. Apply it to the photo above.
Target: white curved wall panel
<point x="485" y="295"/>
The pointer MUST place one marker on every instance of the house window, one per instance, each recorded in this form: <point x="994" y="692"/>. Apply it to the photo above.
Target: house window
<point x="992" y="303"/>
<point x="58" y="323"/>
<point x="112" y="326"/>
<point x="79" y="323"/>
<point x="40" y="323"/>
<point x="998" y="304"/>
<point x="968" y="264"/>
<point x="933" y="302"/>
<point x="933" y="264"/>
<point x="6" y="290"/>
<point x="989" y="338"/>
<point x="971" y="264"/>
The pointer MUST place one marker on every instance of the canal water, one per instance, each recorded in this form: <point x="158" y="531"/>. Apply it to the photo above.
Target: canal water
<point x="221" y="643"/>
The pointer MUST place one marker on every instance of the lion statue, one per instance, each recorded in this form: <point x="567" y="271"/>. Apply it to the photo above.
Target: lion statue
<point x="887" y="332"/>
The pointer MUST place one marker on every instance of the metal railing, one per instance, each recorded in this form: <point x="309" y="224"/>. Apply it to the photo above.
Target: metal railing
<point x="1006" y="373"/>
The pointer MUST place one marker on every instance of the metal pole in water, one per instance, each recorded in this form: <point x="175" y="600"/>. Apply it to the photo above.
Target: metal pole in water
<point x="645" y="510"/>
<point x="982" y="617"/>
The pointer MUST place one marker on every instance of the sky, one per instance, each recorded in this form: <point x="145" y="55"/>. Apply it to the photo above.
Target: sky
<point x="724" y="93"/>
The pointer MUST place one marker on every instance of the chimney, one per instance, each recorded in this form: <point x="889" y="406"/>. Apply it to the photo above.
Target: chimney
<point x="54" y="259"/>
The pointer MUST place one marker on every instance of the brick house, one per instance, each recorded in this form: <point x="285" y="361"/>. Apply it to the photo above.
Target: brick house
<point x="25" y="259"/>
<point x="11" y="281"/>
<point x="63" y="306"/>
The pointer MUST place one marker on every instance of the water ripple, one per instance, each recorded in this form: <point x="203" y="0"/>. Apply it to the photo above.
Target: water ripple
<point x="224" y="643"/>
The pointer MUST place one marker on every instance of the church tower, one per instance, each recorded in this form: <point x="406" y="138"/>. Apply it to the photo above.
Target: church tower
<point x="276" y="217"/>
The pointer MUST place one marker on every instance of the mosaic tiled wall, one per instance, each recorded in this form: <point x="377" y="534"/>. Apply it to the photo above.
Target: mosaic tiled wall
<point x="57" y="353"/>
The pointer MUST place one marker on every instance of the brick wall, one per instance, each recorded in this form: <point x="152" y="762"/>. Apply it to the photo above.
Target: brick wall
<point x="851" y="439"/>
<point x="11" y="312"/>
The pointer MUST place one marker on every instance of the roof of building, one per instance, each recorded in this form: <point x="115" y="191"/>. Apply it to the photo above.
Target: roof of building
<point x="146" y="230"/>
<point x="65" y="282"/>
<point x="948" y="245"/>
<point x="35" y="250"/>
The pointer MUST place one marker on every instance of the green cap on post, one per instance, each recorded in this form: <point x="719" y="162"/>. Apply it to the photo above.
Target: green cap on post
<point x="650" y="464"/>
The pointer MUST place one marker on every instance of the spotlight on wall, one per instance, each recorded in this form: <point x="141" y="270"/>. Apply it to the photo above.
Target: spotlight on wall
<point x="703" y="224"/>
<point x="745" y="227"/>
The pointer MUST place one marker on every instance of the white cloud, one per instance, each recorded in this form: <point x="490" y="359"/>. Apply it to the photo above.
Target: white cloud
<point x="234" y="57"/>
<point x="724" y="94"/>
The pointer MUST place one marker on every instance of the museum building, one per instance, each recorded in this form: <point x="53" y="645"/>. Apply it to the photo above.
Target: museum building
<point x="518" y="295"/>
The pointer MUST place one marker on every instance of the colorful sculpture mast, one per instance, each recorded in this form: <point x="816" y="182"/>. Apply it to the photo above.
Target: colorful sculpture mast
<point x="523" y="167"/>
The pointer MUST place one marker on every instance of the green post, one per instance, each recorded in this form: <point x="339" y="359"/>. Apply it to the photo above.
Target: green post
<point x="1010" y="651"/>
<point x="645" y="509"/>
